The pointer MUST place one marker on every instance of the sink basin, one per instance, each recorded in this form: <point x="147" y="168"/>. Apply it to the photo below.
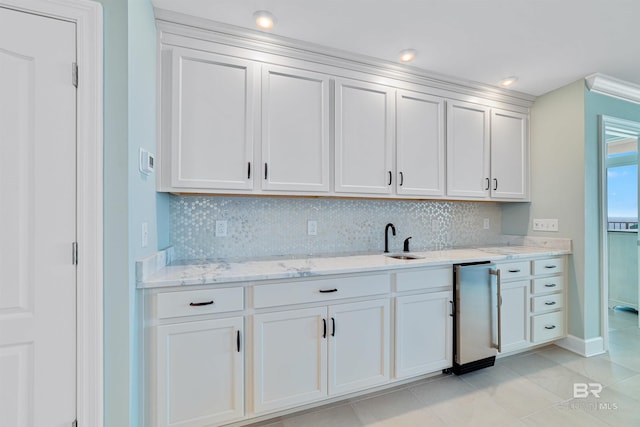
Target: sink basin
<point x="403" y="256"/>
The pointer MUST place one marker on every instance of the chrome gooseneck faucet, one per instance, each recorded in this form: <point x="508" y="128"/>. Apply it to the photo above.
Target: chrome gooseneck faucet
<point x="386" y="236"/>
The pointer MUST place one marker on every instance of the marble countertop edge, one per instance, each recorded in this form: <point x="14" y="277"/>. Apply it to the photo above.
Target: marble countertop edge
<point x="151" y="273"/>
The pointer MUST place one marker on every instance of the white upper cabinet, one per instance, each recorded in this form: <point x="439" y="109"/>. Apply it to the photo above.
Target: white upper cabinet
<point x="468" y="150"/>
<point x="419" y="144"/>
<point x="487" y="153"/>
<point x="295" y="130"/>
<point x="509" y="155"/>
<point x="364" y="128"/>
<point x="211" y="119"/>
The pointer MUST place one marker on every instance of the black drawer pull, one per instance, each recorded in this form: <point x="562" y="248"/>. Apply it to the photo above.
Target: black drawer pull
<point x="550" y="266"/>
<point x="390" y="177"/>
<point x="327" y="291"/>
<point x="238" y="341"/>
<point x="549" y="285"/>
<point x="514" y="271"/>
<point x="333" y="321"/>
<point x="266" y="169"/>
<point x="550" y="303"/>
<point x="401" y="179"/>
<point x="495" y="187"/>
<point x="200" y="304"/>
<point x="249" y="170"/>
<point x="550" y="327"/>
<point x="488" y="183"/>
<point x="324" y="328"/>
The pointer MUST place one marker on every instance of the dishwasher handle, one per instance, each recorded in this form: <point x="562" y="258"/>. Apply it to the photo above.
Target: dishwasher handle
<point x="496" y="273"/>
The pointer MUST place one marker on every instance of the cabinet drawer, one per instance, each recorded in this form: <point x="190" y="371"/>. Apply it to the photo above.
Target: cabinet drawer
<point x="424" y="279"/>
<point x="548" y="326"/>
<point x="548" y="284"/>
<point x="547" y="302"/>
<point x="203" y="301"/>
<point x="300" y="292"/>
<point x="514" y="270"/>
<point x="548" y="266"/>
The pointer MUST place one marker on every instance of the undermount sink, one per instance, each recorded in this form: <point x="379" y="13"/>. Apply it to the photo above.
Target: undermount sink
<point x="403" y="256"/>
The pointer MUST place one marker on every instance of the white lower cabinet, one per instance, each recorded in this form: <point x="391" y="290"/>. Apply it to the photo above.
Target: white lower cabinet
<point x="199" y="373"/>
<point x="424" y="333"/>
<point x="301" y="356"/>
<point x="290" y="358"/>
<point x="515" y="315"/>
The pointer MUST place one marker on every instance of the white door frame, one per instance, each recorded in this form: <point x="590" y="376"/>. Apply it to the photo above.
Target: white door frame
<point x="87" y="16"/>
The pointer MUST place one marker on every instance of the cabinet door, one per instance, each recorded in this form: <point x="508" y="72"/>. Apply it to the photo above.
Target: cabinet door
<point x="515" y="315"/>
<point x="295" y="130"/>
<point x="509" y="155"/>
<point x="419" y="144"/>
<point x="358" y="345"/>
<point x="423" y="333"/>
<point x="211" y="120"/>
<point x="290" y="358"/>
<point x="364" y="123"/>
<point x="199" y="373"/>
<point x="467" y="150"/>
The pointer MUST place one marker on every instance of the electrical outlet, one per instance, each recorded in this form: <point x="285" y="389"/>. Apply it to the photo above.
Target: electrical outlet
<point x="145" y="234"/>
<point x="312" y="228"/>
<point x="545" y="224"/>
<point x="485" y="224"/>
<point x="538" y="224"/>
<point x="221" y="228"/>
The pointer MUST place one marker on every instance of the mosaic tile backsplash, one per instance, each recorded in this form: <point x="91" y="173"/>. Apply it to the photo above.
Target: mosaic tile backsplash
<point x="264" y="227"/>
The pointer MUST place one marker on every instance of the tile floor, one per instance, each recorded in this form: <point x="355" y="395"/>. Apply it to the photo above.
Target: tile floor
<point x="529" y="389"/>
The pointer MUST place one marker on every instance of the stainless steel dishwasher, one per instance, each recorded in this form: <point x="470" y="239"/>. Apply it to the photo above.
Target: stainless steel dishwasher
<point x="477" y="316"/>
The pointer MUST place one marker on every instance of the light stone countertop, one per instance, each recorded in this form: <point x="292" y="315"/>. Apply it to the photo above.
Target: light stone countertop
<point x="157" y="271"/>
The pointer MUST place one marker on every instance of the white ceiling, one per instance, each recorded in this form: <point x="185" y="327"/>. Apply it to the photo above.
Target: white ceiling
<point x="546" y="43"/>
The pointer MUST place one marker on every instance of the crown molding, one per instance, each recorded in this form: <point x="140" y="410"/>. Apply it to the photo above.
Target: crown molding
<point x="205" y="29"/>
<point x="610" y="86"/>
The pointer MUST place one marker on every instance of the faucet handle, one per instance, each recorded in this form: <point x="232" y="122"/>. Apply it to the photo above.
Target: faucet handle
<point x="406" y="244"/>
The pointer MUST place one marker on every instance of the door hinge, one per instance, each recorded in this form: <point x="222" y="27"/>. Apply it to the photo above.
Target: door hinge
<point x="74" y="74"/>
<point x="74" y="253"/>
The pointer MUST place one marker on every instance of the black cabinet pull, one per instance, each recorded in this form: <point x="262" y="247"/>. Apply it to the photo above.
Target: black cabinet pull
<point x="390" y="177"/>
<point x="401" y="179"/>
<point x="495" y="184"/>
<point x="550" y="266"/>
<point x="549" y="285"/>
<point x="327" y="291"/>
<point x="514" y="271"/>
<point x="333" y="322"/>
<point x="248" y="170"/>
<point x="550" y="327"/>
<point x="452" y="309"/>
<point x="265" y="170"/>
<point x="238" y="341"/>
<point x="324" y="328"/>
<point x="488" y="183"/>
<point x="550" y="303"/>
<point x="200" y="304"/>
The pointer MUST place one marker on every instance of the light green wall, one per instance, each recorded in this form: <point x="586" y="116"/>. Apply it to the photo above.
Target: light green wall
<point x="129" y="197"/>
<point x="117" y="305"/>
<point x="558" y="184"/>
<point x="565" y="185"/>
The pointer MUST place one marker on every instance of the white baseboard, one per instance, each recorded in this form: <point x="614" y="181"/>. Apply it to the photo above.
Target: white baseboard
<point x="586" y="348"/>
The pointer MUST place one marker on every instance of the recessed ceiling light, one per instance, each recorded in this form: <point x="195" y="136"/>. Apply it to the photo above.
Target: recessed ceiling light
<point x="264" y="19"/>
<point x="508" y="81"/>
<point x="407" y="55"/>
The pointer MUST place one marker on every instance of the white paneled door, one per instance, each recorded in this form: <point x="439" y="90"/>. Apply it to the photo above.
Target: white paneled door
<point x="37" y="221"/>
